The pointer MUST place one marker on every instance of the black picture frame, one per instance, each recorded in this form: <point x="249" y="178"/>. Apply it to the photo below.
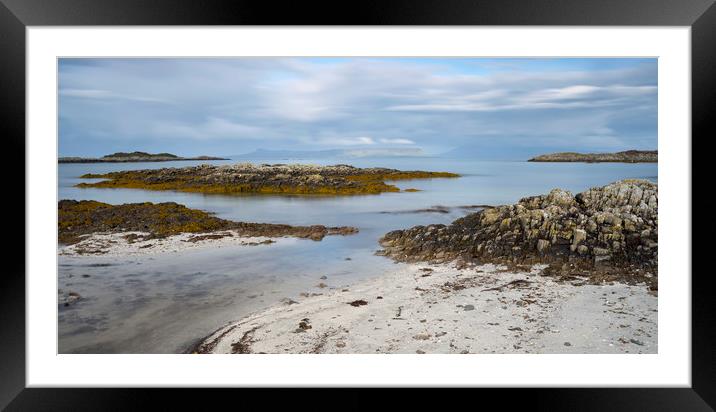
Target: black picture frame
<point x="16" y="15"/>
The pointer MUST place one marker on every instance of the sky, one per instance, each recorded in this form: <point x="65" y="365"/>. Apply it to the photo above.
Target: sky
<point x="486" y="107"/>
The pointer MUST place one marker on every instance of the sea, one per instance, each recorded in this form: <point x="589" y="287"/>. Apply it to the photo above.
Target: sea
<point x="165" y="303"/>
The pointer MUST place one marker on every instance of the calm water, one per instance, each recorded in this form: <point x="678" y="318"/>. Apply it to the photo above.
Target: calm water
<point x="163" y="303"/>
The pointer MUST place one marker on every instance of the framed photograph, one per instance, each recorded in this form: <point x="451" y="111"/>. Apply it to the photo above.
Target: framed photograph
<point x="461" y="196"/>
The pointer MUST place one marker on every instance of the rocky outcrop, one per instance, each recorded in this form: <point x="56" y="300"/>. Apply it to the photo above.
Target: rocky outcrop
<point x="121" y="157"/>
<point x="250" y="178"/>
<point x="78" y="218"/>
<point x="629" y="156"/>
<point x="606" y="232"/>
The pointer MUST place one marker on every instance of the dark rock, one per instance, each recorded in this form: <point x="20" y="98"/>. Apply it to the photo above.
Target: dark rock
<point x="71" y="298"/>
<point x="211" y="236"/>
<point x="433" y="209"/>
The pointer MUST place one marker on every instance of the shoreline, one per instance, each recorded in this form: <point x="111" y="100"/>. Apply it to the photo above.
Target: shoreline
<point x="421" y="308"/>
<point x="116" y="244"/>
<point x="141" y="221"/>
<point x="554" y="273"/>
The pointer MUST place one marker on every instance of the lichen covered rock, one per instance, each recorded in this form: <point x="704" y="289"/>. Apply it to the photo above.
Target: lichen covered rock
<point x="610" y="230"/>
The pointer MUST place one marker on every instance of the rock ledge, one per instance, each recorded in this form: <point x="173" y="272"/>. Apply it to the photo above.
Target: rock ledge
<point x="607" y="232"/>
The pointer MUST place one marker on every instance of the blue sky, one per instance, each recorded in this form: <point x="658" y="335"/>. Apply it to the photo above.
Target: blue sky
<point x="496" y="107"/>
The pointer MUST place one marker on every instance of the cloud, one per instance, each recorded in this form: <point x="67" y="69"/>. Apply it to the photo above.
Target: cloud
<point x="397" y="141"/>
<point x="569" y="97"/>
<point x="240" y="104"/>
<point x="346" y="141"/>
<point x="105" y="94"/>
<point x="86" y="93"/>
<point x="213" y="127"/>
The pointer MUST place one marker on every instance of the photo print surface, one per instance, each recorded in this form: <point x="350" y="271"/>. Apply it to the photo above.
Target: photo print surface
<point x="357" y="205"/>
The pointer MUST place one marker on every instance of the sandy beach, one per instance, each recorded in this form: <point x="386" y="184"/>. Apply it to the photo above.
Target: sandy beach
<point x="118" y="244"/>
<point x="556" y="273"/>
<point x="441" y="309"/>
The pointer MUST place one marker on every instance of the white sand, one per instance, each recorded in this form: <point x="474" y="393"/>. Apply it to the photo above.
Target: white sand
<point x="421" y="312"/>
<point x="115" y="244"/>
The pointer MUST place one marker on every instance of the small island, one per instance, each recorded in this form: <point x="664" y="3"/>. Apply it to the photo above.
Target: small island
<point x="264" y="179"/>
<point x="91" y="227"/>
<point x="122" y="157"/>
<point x="629" y="156"/>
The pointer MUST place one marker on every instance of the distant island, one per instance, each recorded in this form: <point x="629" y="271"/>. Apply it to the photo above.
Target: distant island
<point x="122" y="157"/>
<point x="629" y="156"/>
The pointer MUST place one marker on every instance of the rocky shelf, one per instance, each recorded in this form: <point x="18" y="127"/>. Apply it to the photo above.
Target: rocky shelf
<point x="249" y="178"/>
<point x="606" y="233"/>
<point x="86" y="217"/>
<point x="121" y="157"/>
<point x="629" y="156"/>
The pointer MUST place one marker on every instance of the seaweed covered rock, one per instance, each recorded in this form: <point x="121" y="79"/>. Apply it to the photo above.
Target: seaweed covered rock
<point x="78" y="218"/>
<point x="250" y="178"/>
<point x="606" y="230"/>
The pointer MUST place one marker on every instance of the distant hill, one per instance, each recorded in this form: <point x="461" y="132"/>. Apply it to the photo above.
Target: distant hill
<point x="629" y="156"/>
<point x="330" y="154"/>
<point x="143" y="155"/>
<point x="122" y="157"/>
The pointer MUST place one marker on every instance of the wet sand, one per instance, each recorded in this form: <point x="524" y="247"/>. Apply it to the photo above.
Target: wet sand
<point x="117" y="244"/>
